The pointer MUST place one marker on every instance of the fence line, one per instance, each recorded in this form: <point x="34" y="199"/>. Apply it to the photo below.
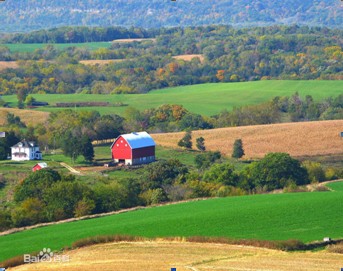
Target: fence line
<point x="103" y="141"/>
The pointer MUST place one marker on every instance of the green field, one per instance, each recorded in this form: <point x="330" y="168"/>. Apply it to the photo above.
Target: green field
<point x="206" y="99"/>
<point x="303" y="216"/>
<point x="336" y="186"/>
<point x="31" y="47"/>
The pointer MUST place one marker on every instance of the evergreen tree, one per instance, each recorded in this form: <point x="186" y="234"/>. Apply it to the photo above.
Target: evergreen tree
<point x="238" y="150"/>
<point x="200" y="144"/>
<point x="87" y="149"/>
<point x="186" y="141"/>
<point x="6" y="143"/>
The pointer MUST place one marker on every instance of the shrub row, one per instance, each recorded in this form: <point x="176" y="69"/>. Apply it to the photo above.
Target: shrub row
<point x="82" y="104"/>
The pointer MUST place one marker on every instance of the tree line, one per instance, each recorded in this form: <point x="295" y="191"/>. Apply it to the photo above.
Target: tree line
<point x="230" y="55"/>
<point x="79" y="128"/>
<point x="48" y="195"/>
<point x="46" y="14"/>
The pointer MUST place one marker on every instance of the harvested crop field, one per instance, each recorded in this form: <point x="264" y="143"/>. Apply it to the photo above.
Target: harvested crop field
<point x="8" y="64"/>
<point x="162" y="256"/>
<point x="132" y="40"/>
<point x="100" y="62"/>
<point x="189" y="57"/>
<point x="297" y="139"/>
<point x="26" y="116"/>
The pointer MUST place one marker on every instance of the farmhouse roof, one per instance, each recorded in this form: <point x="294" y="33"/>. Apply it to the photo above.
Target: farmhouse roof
<point x="25" y="144"/>
<point x="138" y="140"/>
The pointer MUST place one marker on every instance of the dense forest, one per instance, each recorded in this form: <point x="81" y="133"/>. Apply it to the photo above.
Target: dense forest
<point x="29" y="15"/>
<point x="230" y="55"/>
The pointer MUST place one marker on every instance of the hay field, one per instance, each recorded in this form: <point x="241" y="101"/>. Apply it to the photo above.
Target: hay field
<point x="26" y="116"/>
<point x="100" y="62"/>
<point x="162" y="256"/>
<point x="8" y="64"/>
<point x="189" y="57"/>
<point x="132" y="40"/>
<point x="297" y="139"/>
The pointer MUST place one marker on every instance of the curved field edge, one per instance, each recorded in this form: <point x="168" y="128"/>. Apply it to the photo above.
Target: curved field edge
<point x="336" y="186"/>
<point x="303" y="216"/>
<point x="206" y="99"/>
<point x="163" y="255"/>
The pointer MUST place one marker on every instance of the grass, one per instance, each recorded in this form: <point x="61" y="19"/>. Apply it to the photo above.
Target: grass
<point x="163" y="255"/>
<point x="336" y="186"/>
<point x="298" y="139"/>
<point x="102" y="155"/>
<point x="31" y="47"/>
<point x="205" y="99"/>
<point x="303" y="216"/>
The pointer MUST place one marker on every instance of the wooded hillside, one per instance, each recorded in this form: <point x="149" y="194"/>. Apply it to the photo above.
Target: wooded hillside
<point x="28" y="15"/>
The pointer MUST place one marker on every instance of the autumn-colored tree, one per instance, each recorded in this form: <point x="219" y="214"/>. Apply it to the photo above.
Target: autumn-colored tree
<point x="220" y="75"/>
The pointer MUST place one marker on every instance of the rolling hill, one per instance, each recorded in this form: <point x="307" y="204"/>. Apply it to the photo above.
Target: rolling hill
<point x="204" y="99"/>
<point x="29" y="15"/>
<point x="297" y="139"/>
<point x="303" y="216"/>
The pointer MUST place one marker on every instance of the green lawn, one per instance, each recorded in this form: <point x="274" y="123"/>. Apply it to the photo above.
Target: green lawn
<point x="336" y="186"/>
<point x="206" y="99"/>
<point x="303" y="216"/>
<point x="30" y="47"/>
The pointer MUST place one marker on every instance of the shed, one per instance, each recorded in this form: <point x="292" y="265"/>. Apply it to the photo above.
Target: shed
<point x="133" y="149"/>
<point x="39" y="166"/>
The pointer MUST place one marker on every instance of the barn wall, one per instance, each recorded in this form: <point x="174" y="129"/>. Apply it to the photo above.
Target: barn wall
<point x="121" y="149"/>
<point x="143" y="152"/>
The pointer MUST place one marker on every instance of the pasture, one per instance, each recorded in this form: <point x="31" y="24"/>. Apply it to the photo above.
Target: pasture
<point x="304" y="216"/>
<point x="336" y="186"/>
<point x="205" y="99"/>
<point x="31" y="47"/>
<point x="298" y="139"/>
<point x="163" y="255"/>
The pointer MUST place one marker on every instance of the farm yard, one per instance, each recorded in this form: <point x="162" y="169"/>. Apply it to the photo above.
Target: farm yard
<point x="162" y="255"/>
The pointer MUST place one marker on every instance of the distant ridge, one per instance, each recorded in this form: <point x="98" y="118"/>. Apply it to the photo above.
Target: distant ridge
<point x="28" y="15"/>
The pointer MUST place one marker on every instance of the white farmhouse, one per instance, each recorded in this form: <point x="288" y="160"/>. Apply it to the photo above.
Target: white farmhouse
<point x="25" y="150"/>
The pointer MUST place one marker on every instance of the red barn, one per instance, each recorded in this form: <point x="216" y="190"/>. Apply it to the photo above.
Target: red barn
<point x="134" y="149"/>
<point x="39" y="166"/>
